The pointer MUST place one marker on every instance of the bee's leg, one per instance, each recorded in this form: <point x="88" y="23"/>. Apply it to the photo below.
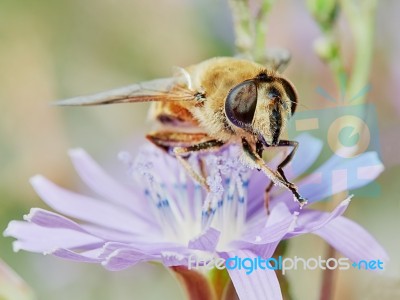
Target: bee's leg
<point x="259" y="151"/>
<point x="183" y="152"/>
<point x="181" y="145"/>
<point x="167" y="140"/>
<point x="276" y="177"/>
<point x="288" y="159"/>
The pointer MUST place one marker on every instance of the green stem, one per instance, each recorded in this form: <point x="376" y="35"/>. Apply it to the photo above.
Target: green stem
<point x="242" y="24"/>
<point x="283" y="280"/>
<point x="260" y="33"/>
<point x="250" y="32"/>
<point x="361" y="17"/>
<point x="335" y="61"/>
<point x="329" y="278"/>
<point x="220" y="280"/>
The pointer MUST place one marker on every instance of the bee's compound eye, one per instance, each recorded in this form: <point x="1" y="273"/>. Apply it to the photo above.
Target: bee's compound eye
<point x="291" y="93"/>
<point x="241" y="103"/>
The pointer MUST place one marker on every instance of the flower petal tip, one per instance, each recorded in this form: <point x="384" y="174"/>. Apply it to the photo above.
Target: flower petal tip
<point x="108" y="265"/>
<point x="37" y="180"/>
<point x="6" y="232"/>
<point x="16" y="246"/>
<point x="11" y="229"/>
<point x="50" y="252"/>
<point x="347" y="201"/>
<point x="28" y="217"/>
<point x="76" y="152"/>
<point x="172" y="254"/>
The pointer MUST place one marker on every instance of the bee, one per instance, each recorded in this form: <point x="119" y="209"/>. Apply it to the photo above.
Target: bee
<point x="228" y="100"/>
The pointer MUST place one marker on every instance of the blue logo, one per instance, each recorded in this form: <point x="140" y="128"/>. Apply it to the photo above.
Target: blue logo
<point x="347" y="131"/>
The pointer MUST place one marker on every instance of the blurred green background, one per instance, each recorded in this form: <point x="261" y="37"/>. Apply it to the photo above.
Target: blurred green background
<point x="55" y="49"/>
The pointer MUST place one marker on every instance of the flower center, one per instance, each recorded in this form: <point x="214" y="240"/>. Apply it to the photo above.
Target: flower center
<point x="182" y="208"/>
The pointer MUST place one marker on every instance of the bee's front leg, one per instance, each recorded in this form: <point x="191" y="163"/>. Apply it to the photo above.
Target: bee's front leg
<point x="277" y="177"/>
<point x="182" y="145"/>
<point x="288" y="159"/>
<point x="182" y="152"/>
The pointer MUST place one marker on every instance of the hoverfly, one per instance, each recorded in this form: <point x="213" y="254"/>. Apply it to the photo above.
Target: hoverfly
<point x="229" y="100"/>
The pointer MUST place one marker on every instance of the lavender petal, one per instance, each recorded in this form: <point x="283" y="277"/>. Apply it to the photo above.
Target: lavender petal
<point x="124" y="258"/>
<point x="207" y="241"/>
<point x="314" y="192"/>
<point x="311" y="220"/>
<point x="274" y="230"/>
<point x="34" y="238"/>
<point x="352" y="240"/>
<point x="88" y="256"/>
<point x="326" y="188"/>
<point x="173" y="258"/>
<point x="259" y="285"/>
<point x="49" y="219"/>
<point x="86" y="208"/>
<point x="104" y="185"/>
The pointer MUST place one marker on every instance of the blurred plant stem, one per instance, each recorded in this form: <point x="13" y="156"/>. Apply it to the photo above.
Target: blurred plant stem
<point x="260" y="31"/>
<point x="195" y="284"/>
<point x="360" y="16"/>
<point x="283" y="280"/>
<point x="250" y="30"/>
<point x="222" y="283"/>
<point x="213" y="285"/>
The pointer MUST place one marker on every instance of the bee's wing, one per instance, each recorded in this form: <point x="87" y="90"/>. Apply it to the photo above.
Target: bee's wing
<point x="165" y="89"/>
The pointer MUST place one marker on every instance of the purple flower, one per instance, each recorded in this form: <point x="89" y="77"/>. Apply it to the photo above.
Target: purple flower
<point x="164" y="216"/>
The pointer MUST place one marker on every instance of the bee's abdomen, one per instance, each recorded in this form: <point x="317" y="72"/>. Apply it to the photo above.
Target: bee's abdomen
<point x="172" y="114"/>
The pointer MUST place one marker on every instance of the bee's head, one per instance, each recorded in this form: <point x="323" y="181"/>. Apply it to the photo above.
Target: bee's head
<point x="262" y="105"/>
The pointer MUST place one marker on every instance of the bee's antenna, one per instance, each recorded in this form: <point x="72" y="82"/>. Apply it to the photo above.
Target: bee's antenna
<point x="300" y="104"/>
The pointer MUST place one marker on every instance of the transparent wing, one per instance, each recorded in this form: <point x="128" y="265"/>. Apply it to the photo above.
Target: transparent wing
<point x="165" y="89"/>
